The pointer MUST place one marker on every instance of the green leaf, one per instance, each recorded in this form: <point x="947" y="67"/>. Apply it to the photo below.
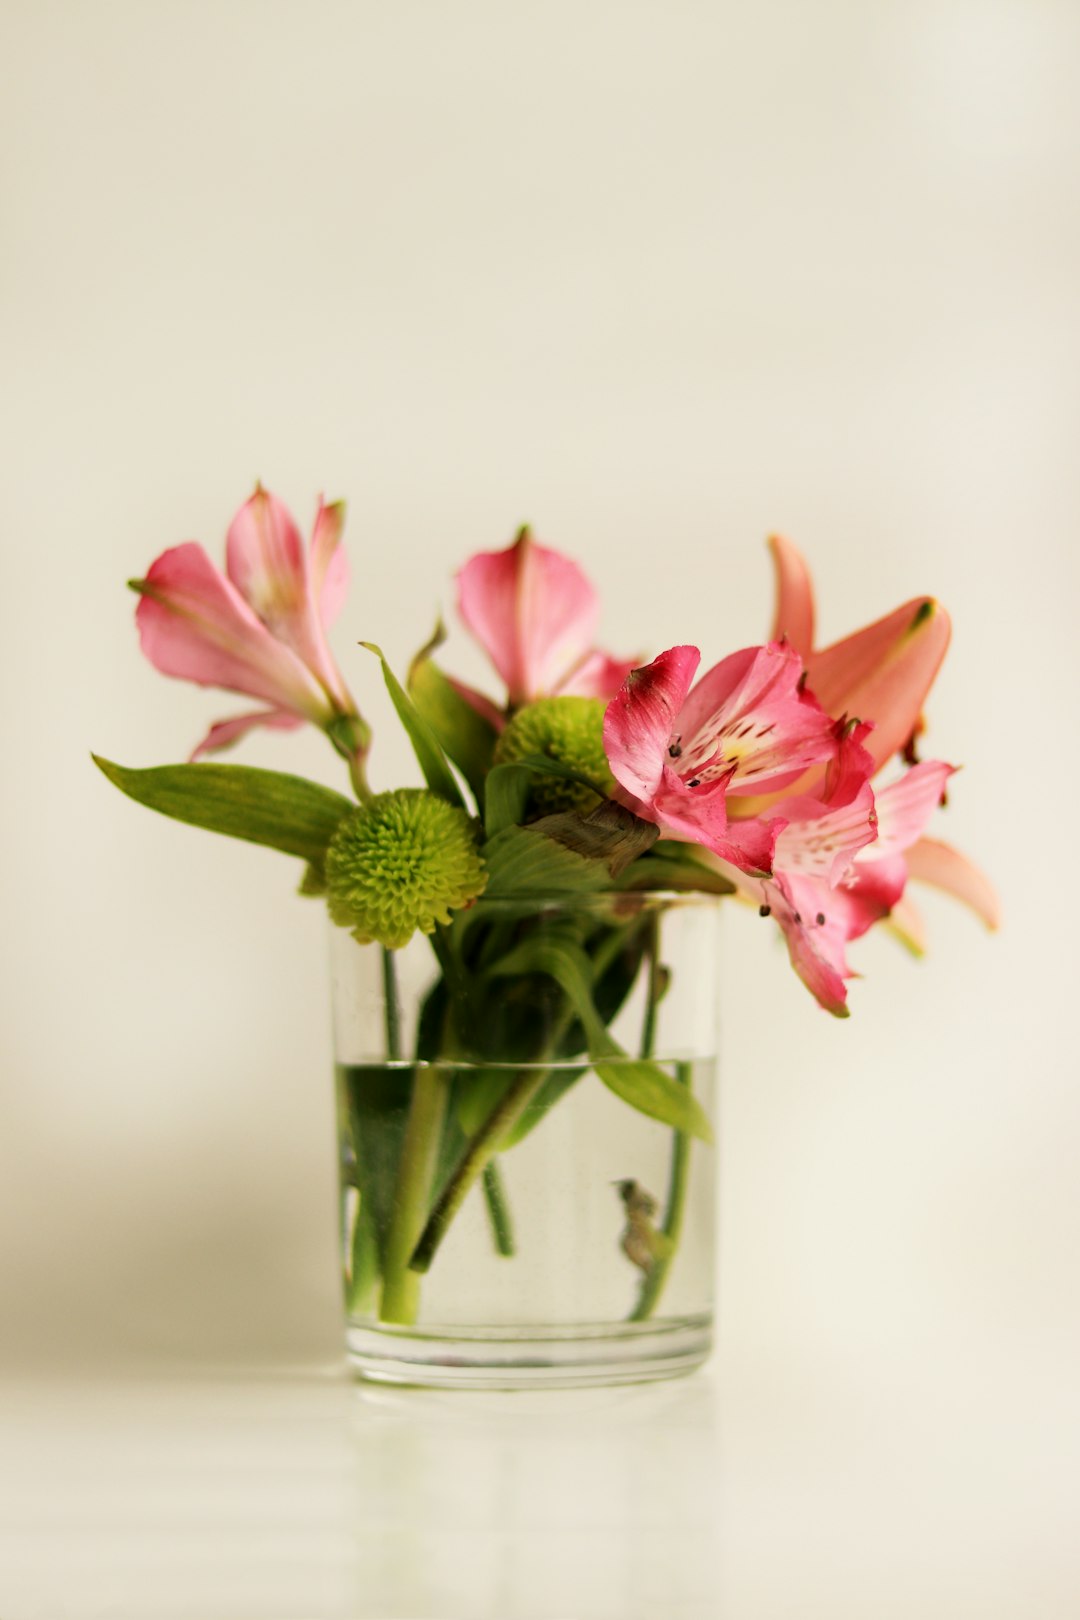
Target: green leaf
<point x="465" y="736"/>
<point x="312" y="884"/>
<point x="437" y="773"/>
<point x="506" y="793"/>
<point x="609" y="833"/>
<point x="264" y="807"/>
<point x="651" y="1090"/>
<point x="644" y="1085"/>
<point x="523" y="862"/>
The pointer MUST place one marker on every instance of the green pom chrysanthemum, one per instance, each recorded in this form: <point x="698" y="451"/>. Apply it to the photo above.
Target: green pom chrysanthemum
<point x="569" y="730"/>
<point x="402" y="861"/>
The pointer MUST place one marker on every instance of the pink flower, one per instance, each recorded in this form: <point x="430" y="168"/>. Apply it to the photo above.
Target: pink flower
<point x="534" y="613"/>
<point x="839" y="864"/>
<point x="259" y="628"/>
<point x="881" y="674"/>
<point x="747" y="728"/>
<point x="769" y="762"/>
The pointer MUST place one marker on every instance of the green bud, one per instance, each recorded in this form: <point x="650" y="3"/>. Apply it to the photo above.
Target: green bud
<point x="402" y="861"/>
<point x="569" y="730"/>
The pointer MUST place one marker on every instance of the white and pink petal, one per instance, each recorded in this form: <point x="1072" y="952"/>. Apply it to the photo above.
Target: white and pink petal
<point x="749" y="717"/>
<point x="224" y="733"/>
<point x="640" y="721"/>
<point x="532" y="610"/>
<point x="194" y="624"/>
<point x="905" y="807"/>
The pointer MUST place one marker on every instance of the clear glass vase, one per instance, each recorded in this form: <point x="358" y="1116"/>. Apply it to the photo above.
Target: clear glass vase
<point x="511" y="1216"/>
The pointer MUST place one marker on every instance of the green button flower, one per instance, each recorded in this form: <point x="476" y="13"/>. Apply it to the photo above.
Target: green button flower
<point x="401" y="862"/>
<point x="570" y="731"/>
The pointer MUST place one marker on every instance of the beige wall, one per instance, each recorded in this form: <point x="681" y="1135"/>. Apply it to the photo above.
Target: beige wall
<point x="658" y="278"/>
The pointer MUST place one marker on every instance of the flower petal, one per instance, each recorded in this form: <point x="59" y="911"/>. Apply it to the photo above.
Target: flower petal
<point x="699" y="815"/>
<point x="824" y="845"/>
<point x="596" y="675"/>
<point x="905" y="807"/>
<point x="873" y="890"/>
<point x="264" y="558"/>
<point x="639" y="719"/>
<point x="328" y="561"/>
<point x="750" y="719"/>
<point x="816" y="948"/>
<point x="532" y="610"/>
<point x="794" y="615"/>
<point x="884" y="672"/>
<point x="905" y="922"/>
<point x="945" y="868"/>
<point x="483" y="705"/>
<point x="195" y="625"/>
<point x="225" y="733"/>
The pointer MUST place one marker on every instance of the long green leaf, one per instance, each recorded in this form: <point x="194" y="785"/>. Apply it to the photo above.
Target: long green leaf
<point x="644" y="1085"/>
<point x="465" y="736"/>
<point x="437" y="773"/>
<point x="264" y="807"/>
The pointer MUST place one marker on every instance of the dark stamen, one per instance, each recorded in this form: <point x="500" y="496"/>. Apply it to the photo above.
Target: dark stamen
<point x="764" y="911"/>
<point x="821" y="919"/>
<point x="695" y="781"/>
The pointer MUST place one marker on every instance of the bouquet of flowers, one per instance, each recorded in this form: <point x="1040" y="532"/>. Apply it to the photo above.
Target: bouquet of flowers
<point x="786" y="777"/>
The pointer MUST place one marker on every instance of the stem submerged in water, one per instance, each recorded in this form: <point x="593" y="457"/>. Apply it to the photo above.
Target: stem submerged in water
<point x="502" y="1225"/>
<point x="671" y="1225"/>
<point x="400" y="1297"/>
<point x="416" y="1171"/>
<point x="476" y="1158"/>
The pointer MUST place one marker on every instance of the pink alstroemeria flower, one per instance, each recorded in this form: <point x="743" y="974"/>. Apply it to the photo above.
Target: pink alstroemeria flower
<point x="534" y="613"/>
<point x="839" y="864"/>
<point x="259" y="628"/>
<point x="683" y="756"/>
<point x="881" y="674"/>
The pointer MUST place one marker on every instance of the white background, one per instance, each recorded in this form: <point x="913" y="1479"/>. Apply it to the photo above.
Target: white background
<point x="658" y="279"/>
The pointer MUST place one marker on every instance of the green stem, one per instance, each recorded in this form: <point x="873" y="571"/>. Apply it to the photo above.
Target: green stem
<point x="485" y="1144"/>
<point x="416" y="1171"/>
<point x="503" y="1117"/>
<point x="362" y="1283"/>
<point x="671" y="1225"/>
<point x="648" y="1028"/>
<point x="391" y="1010"/>
<point x="358" y="778"/>
<point x="502" y="1225"/>
<point x="400" y="1300"/>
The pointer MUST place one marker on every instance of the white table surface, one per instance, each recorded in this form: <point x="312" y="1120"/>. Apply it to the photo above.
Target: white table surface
<point x="740" y="1492"/>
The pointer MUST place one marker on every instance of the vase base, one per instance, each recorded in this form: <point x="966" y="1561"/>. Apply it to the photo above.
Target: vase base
<point x="511" y="1358"/>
